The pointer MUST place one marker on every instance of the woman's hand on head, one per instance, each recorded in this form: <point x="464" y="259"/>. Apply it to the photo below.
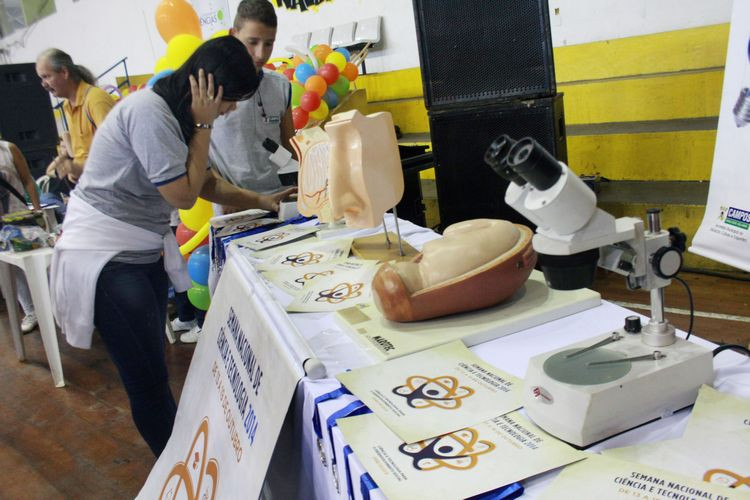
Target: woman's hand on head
<point x="271" y="201"/>
<point x="206" y="102"/>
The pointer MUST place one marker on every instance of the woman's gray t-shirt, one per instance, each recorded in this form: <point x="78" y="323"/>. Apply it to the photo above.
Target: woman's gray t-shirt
<point x="138" y="147"/>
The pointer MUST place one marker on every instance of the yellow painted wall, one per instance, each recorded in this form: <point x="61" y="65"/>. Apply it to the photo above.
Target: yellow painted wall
<point x="665" y="77"/>
<point x="689" y="49"/>
<point x="665" y="156"/>
<point x="668" y="97"/>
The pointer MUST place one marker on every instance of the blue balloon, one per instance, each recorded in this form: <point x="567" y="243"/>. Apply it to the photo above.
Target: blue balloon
<point x="331" y="98"/>
<point x="158" y="76"/>
<point x="198" y="265"/>
<point x="345" y="52"/>
<point x="303" y="71"/>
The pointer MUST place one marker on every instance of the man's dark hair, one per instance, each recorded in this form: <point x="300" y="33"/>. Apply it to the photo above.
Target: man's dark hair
<point x="227" y="59"/>
<point x="255" y="10"/>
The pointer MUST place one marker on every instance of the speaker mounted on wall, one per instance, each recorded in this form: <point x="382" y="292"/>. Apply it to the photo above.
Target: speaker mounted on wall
<point x="473" y="51"/>
<point x="26" y="117"/>
<point x="467" y="188"/>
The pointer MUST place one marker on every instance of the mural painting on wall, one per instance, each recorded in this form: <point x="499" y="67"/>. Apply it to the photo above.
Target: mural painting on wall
<point x="301" y="5"/>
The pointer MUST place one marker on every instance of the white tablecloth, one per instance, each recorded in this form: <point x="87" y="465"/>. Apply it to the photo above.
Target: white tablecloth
<point x="338" y="352"/>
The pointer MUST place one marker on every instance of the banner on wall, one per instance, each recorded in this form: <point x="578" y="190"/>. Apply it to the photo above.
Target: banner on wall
<point x="724" y="233"/>
<point x="300" y="5"/>
<point x="214" y="16"/>
<point x="238" y="389"/>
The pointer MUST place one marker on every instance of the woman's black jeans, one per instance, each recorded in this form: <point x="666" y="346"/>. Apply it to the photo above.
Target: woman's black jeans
<point x="130" y="314"/>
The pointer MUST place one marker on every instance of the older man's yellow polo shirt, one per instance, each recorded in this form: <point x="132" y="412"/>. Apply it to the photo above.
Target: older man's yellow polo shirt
<point x="95" y="103"/>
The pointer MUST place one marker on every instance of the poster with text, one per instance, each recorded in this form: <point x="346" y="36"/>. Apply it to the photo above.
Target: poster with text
<point x="461" y="464"/>
<point x="237" y="391"/>
<point x="306" y="253"/>
<point x="275" y="237"/>
<point x="715" y="411"/>
<point x="722" y="458"/>
<point x="724" y="234"/>
<point x="715" y="446"/>
<point x="434" y="392"/>
<point x="214" y="15"/>
<point x="331" y="293"/>
<point x="293" y="280"/>
<point x="607" y="478"/>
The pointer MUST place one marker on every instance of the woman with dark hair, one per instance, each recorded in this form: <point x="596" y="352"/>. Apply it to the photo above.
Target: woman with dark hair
<point x="110" y="266"/>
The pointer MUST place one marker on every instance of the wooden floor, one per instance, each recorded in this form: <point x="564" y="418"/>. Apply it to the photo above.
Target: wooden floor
<point x="79" y="442"/>
<point x="76" y="442"/>
<point x="722" y="305"/>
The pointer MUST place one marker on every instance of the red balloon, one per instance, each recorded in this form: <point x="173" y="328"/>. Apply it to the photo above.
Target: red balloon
<point x="289" y="73"/>
<point x="183" y="234"/>
<point x="310" y="101"/>
<point x="300" y="117"/>
<point x="329" y="72"/>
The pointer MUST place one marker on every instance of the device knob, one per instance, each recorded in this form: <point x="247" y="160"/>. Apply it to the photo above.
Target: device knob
<point x="633" y="324"/>
<point x="677" y="238"/>
<point x="667" y="262"/>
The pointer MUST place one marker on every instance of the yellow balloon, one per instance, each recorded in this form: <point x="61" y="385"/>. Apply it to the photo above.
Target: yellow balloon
<point x="196" y="240"/>
<point x="337" y="59"/>
<point x="321" y="113"/>
<point x="281" y="60"/>
<point x="161" y="64"/>
<point x="180" y="47"/>
<point x="220" y="33"/>
<point x="196" y="217"/>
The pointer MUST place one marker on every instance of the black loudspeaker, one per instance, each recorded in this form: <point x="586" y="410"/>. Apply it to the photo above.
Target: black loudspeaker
<point x="26" y="117"/>
<point x="413" y="161"/>
<point x="39" y="159"/>
<point x="484" y="50"/>
<point x="467" y="187"/>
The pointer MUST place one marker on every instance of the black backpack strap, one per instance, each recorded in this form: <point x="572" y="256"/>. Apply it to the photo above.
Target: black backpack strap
<point x="12" y="190"/>
<point x="86" y="110"/>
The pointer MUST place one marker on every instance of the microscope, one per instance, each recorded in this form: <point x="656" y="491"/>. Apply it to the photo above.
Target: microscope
<point x="586" y="392"/>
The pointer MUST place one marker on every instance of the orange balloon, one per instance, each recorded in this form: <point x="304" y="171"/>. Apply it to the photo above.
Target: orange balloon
<point x="176" y="17"/>
<point x="321" y="51"/>
<point x="316" y="84"/>
<point x="296" y="61"/>
<point x="350" y="72"/>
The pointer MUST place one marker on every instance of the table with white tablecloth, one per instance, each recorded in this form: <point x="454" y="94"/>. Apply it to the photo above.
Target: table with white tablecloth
<point x="312" y="459"/>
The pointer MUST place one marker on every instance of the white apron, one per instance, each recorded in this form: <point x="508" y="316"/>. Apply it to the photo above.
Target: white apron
<point x="91" y="239"/>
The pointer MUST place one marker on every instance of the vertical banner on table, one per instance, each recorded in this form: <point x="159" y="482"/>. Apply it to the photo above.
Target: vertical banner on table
<point x="236" y="395"/>
<point x="725" y="230"/>
<point x="214" y="16"/>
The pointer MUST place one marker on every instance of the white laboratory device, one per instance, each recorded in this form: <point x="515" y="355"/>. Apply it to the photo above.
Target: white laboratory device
<point x="617" y="380"/>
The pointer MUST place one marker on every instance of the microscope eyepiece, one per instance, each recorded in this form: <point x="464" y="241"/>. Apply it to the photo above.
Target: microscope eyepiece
<point x="496" y="157"/>
<point x="534" y="163"/>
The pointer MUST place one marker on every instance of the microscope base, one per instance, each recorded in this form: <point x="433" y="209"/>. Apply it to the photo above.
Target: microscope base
<point x="582" y="403"/>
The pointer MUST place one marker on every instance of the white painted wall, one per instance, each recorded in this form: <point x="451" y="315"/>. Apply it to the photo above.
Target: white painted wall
<point x="581" y="21"/>
<point x="97" y="33"/>
<point x="398" y="46"/>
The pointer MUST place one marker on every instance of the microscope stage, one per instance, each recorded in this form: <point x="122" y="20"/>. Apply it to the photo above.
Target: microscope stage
<point x="585" y="395"/>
